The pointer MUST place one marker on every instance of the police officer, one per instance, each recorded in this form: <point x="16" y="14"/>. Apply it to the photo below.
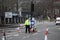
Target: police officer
<point x="27" y="24"/>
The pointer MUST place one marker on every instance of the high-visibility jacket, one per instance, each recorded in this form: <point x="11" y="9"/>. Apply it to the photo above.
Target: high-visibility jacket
<point x="27" y="22"/>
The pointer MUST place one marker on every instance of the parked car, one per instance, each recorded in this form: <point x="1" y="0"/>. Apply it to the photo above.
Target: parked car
<point x="57" y="20"/>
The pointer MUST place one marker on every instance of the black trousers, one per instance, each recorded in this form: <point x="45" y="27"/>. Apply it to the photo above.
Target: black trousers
<point x="27" y="28"/>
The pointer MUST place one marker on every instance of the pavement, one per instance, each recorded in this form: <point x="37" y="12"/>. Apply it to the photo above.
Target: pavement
<point x="13" y="25"/>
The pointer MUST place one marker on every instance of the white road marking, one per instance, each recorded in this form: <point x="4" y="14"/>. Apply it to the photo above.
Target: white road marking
<point x="8" y="35"/>
<point x="38" y="31"/>
<point x="16" y="35"/>
<point x="11" y="34"/>
<point x="35" y="34"/>
<point x="26" y="37"/>
<point x="11" y="30"/>
<point x="10" y="38"/>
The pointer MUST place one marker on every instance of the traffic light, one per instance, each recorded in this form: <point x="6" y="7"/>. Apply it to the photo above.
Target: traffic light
<point x="32" y="7"/>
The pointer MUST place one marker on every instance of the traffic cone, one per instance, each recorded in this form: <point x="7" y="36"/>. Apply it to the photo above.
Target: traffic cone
<point x="18" y="29"/>
<point x="4" y="36"/>
<point x="46" y="34"/>
<point x="45" y="37"/>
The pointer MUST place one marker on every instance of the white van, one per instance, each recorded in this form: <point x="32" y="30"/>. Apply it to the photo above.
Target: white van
<point x="57" y="20"/>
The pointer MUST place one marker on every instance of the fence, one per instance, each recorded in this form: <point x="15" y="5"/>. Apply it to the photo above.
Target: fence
<point x="14" y="20"/>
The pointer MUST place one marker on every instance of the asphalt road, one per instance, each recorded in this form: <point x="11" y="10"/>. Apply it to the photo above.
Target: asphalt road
<point x="54" y="31"/>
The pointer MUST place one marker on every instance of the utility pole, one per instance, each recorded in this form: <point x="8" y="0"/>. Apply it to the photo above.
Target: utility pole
<point x="17" y="13"/>
<point x="32" y="9"/>
<point x="2" y="18"/>
<point x="17" y="6"/>
<point x="52" y="8"/>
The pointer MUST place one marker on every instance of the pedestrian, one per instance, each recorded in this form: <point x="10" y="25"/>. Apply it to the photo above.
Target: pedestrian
<point x="27" y="25"/>
<point x="55" y="16"/>
<point x="48" y="18"/>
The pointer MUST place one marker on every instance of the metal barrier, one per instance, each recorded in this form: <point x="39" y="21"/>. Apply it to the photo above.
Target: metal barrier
<point x="14" y="20"/>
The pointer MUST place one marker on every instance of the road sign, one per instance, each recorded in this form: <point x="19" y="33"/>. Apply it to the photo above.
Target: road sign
<point x="32" y="22"/>
<point x="8" y="14"/>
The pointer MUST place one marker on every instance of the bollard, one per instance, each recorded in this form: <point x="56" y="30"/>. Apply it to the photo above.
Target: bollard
<point x="4" y="36"/>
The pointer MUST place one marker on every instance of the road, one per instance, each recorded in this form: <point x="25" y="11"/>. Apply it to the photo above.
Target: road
<point x="54" y="31"/>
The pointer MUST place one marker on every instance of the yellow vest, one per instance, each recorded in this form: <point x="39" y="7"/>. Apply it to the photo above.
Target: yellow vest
<point x="27" y="22"/>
